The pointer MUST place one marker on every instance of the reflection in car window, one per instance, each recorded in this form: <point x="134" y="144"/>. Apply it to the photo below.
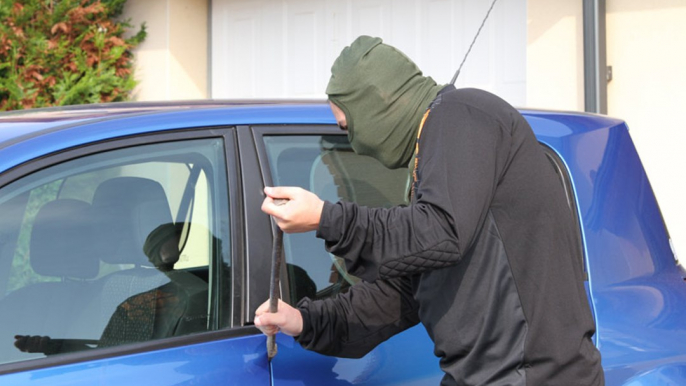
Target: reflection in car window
<point x="112" y="248"/>
<point x="327" y="166"/>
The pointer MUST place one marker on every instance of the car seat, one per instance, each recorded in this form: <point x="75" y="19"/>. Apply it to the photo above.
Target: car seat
<point x="58" y="249"/>
<point x="135" y="304"/>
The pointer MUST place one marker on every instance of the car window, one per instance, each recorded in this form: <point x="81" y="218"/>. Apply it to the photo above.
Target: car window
<point x="327" y="166"/>
<point x="112" y="248"/>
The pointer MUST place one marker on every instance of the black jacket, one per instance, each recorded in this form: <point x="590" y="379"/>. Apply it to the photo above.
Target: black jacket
<point x="485" y="257"/>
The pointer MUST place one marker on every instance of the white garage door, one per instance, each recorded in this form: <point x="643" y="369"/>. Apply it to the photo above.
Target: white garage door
<point x="285" y="48"/>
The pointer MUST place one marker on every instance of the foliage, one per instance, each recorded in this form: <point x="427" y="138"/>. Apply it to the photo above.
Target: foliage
<point x="62" y="52"/>
<point x="22" y="274"/>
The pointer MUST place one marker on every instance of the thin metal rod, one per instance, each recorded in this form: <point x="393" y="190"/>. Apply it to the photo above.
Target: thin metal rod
<point x="274" y="287"/>
<point x="457" y="73"/>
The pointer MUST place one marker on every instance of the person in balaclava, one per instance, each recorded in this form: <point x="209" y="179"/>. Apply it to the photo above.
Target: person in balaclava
<point x="383" y="96"/>
<point x="485" y="256"/>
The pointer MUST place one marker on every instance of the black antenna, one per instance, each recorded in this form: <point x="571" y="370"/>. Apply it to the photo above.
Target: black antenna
<point x="472" y="45"/>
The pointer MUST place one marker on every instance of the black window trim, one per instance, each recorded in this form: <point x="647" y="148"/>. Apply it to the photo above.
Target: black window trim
<point x="562" y="171"/>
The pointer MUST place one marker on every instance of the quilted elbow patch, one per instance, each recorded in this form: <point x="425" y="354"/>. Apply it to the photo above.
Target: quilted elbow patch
<point x="442" y="255"/>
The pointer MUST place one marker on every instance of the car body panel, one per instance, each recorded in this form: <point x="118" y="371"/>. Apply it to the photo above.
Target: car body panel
<point x="636" y="288"/>
<point x="404" y="360"/>
<point x="236" y="361"/>
<point x="638" y="292"/>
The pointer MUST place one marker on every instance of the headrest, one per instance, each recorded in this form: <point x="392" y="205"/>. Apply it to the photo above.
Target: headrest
<point x="126" y="210"/>
<point x="291" y="163"/>
<point x="59" y="243"/>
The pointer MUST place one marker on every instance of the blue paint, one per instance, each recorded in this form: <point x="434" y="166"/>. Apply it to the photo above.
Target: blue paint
<point x="239" y="361"/>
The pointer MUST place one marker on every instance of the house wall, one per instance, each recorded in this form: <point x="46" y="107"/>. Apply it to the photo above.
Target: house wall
<point x="172" y="62"/>
<point x="554" y="55"/>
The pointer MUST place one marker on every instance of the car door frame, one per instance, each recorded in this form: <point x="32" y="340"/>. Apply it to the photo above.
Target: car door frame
<point x="255" y="179"/>
<point x="234" y="189"/>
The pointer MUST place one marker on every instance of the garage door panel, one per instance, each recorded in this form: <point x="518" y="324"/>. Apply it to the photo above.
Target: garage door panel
<point x="301" y="31"/>
<point x="439" y="33"/>
<point x="371" y="18"/>
<point x="285" y="48"/>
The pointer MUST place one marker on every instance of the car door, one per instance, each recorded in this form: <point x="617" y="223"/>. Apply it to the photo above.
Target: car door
<point x="320" y="159"/>
<point x="123" y="264"/>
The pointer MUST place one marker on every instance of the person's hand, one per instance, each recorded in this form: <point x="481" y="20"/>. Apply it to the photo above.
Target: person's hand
<point x="301" y="213"/>
<point x="287" y="320"/>
<point x="32" y="344"/>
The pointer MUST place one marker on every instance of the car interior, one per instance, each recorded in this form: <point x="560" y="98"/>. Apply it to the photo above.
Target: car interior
<point x="115" y="288"/>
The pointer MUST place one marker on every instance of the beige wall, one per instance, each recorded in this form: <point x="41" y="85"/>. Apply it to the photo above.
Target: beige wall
<point x="646" y="47"/>
<point x="172" y="62"/>
<point x="554" y="57"/>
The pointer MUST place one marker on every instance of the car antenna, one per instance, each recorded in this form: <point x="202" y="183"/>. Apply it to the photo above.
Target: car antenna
<point x="472" y="45"/>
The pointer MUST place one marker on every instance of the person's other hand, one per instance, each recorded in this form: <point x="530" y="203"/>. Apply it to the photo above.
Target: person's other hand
<point x="301" y="213"/>
<point x="32" y="344"/>
<point x="287" y="320"/>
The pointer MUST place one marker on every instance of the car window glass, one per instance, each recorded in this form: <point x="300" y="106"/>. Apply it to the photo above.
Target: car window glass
<point x="327" y="166"/>
<point x="113" y="248"/>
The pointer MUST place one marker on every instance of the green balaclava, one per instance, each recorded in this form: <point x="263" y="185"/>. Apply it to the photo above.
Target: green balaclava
<point x="384" y="96"/>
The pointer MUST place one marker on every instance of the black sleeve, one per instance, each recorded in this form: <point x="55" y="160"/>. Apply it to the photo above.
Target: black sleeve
<point x="352" y="324"/>
<point x="462" y="152"/>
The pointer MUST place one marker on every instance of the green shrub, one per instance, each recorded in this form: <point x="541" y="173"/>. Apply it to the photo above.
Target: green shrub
<point x="63" y="52"/>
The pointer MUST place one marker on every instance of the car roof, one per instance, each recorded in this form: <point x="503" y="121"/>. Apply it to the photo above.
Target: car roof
<point x="20" y="123"/>
<point x="29" y="134"/>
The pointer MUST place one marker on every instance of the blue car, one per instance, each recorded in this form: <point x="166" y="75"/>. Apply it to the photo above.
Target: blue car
<point x="133" y="249"/>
